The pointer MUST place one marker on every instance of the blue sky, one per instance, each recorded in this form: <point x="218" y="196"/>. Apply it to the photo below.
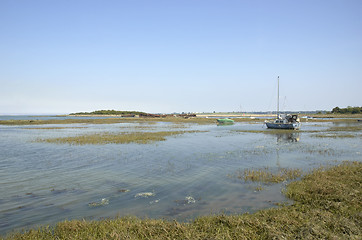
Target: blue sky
<point x="179" y="55"/>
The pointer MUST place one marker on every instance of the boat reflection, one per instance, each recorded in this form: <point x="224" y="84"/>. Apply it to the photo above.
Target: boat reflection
<point x="288" y="137"/>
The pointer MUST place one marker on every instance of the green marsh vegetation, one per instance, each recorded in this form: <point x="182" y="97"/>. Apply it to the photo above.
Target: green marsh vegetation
<point x="327" y="205"/>
<point x="115" y="138"/>
<point x="265" y="175"/>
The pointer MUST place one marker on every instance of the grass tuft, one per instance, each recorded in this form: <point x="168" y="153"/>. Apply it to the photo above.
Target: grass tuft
<point x="335" y="136"/>
<point x="264" y="175"/>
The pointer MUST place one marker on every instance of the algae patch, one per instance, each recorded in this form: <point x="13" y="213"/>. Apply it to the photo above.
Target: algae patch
<point x="103" y="202"/>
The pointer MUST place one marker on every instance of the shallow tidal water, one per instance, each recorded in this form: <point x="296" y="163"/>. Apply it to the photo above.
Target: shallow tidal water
<point x="184" y="177"/>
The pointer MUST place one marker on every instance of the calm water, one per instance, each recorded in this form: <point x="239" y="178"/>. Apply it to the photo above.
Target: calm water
<point x="187" y="175"/>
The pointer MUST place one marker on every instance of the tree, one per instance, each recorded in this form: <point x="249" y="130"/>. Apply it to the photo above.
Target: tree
<point x="336" y="110"/>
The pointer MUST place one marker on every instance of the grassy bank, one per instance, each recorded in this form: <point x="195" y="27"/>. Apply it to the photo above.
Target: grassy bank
<point x="327" y="205"/>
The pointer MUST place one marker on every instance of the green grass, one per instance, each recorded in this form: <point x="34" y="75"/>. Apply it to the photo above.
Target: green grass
<point x="115" y="138"/>
<point x="264" y="175"/>
<point x="327" y="205"/>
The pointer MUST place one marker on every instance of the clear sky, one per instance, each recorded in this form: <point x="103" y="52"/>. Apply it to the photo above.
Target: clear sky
<point x="179" y="55"/>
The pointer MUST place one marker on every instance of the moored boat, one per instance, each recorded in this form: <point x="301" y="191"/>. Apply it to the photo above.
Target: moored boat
<point x="283" y="121"/>
<point x="225" y="121"/>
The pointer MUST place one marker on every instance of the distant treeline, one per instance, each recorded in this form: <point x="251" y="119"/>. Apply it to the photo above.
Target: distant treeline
<point x="109" y="112"/>
<point x="347" y="110"/>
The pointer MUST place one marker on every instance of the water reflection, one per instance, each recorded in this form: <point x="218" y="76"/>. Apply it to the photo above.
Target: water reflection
<point x="288" y="137"/>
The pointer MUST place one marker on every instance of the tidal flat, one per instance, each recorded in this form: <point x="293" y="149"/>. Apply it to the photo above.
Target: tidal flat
<point x="186" y="175"/>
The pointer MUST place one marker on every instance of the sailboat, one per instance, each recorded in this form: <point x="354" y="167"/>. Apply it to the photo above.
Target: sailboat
<point x="284" y="121"/>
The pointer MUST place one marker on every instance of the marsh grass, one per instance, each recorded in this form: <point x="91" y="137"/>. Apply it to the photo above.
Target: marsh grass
<point x="276" y="131"/>
<point x="152" y="127"/>
<point x="334" y="135"/>
<point x="57" y="121"/>
<point x="346" y="128"/>
<point x="340" y="132"/>
<point x="327" y="205"/>
<point x="110" y="121"/>
<point x="332" y="116"/>
<point x="115" y="138"/>
<point x="138" y="127"/>
<point x="332" y="132"/>
<point x="265" y="175"/>
<point x="50" y="128"/>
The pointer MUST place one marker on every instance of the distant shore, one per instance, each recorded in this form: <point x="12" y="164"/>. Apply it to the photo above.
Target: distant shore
<point x="229" y="115"/>
<point x="233" y="115"/>
<point x="264" y="115"/>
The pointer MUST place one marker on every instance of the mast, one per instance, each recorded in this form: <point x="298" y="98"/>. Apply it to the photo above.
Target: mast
<point x="278" y="100"/>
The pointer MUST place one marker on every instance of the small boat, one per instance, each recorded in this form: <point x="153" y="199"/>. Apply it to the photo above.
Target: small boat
<point x="283" y="121"/>
<point x="225" y="121"/>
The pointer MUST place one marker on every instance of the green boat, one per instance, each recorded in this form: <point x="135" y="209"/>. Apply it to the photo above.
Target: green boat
<point x="225" y="121"/>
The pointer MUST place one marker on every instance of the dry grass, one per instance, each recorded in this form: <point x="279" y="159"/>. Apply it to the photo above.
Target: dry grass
<point x="341" y="131"/>
<point x="115" y="138"/>
<point x="334" y="136"/>
<point x="346" y="128"/>
<point x="57" y="121"/>
<point x="352" y="116"/>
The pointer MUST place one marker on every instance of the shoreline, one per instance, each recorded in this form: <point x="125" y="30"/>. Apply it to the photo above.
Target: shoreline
<point x="321" y="209"/>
